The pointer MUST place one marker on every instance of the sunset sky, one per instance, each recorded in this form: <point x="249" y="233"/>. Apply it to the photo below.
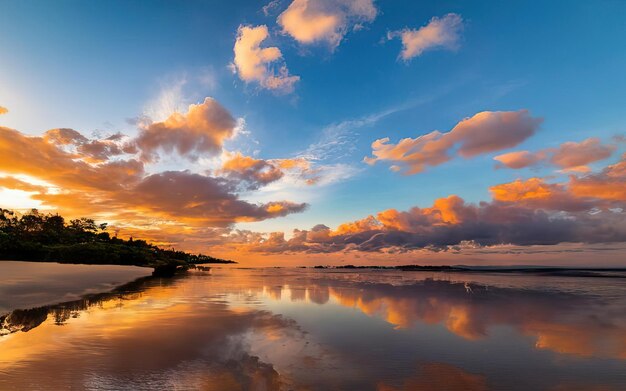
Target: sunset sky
<point x="299" y="132"/>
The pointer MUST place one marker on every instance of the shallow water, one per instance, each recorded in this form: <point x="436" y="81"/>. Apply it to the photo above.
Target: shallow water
<point x="305" y="329"/>
<point x="32" y="284"/>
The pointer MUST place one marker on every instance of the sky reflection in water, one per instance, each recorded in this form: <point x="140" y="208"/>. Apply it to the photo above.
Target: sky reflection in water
<point x="296" y="329"/>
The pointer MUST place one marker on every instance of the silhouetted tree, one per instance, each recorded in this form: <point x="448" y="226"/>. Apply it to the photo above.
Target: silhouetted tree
<point x="35" y="236"/>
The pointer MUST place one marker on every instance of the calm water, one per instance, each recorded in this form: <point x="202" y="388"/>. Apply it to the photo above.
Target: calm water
<point x="32" y="284"/>
<point x="304" y="329"/>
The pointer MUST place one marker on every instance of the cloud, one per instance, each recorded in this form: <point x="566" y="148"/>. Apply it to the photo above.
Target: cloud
<point x="487" y="131"/>
<point x="9" y="182"/>
<point x="314" y="21"/>
<point x="338" y="139"/>
<point x="3" y="110"/>
<point x="202" y="130"/>
<point x="252" y="173"/>
<point x="569" y="156"/>
<point x="575" y="156"/>
<point x="206" y="200"/>
<point x="92" y="151"/>
<point x="586" y="209"/>
<point x="536" y="193"/>
<point x="452" y="222"/>
<point x="518" y="159"/>
<point x="121" y="189"/>
<point x="41" y="158"/>
<point x="270" y="7"/>
<point x="438" y="33"/>
<point x="254" y="63"/>
<point x="607" y="185"/>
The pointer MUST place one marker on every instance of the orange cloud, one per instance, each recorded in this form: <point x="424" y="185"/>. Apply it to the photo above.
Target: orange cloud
<point x="253" y="63"/>
<point x="250" y="171"/>
<point x="439" y="32"/>
<point x="536" y="193"/>
<point x="311" y="21"/>
<point x="569" y="156"/>
<point x="121" y="191"/>
<point x="610" y="184"/>
<point x="34" y="156"/>
<point x="367" y="224"/>
<point x="587" y="209"/>
<point x="601" y="190"/>
<point x="484" y="132"/>
<point x="3" y="110"/>
<point x="17" y="184"/>
<point x="203" y="129"/>
<point x="518" y="159"/>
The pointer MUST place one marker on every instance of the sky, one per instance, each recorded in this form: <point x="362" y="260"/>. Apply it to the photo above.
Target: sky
<point x="324" y="131"/>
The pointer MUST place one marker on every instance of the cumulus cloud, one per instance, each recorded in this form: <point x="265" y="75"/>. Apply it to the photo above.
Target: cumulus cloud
<point x="93" y="151"/>
<point x="536" y="193"/>
<point x="201" y="130"/>
<point x="41" y="158"/>
<point x="459" y="223"/>
<point x="200" y="198"/>
<point x="586" y="209"/>
<point x="3" y="110"/>
<point x="254" y="63"/>
<point x="609" y="184"/>
<point x="487" y="131"/>
<point x="575" y="156"/>
<point x="569" y="156"/>
<point x="252" y="173"/>
<point x="314" y="21"/>
<point x="438" y="33"/>
<point x="121" y="187"/>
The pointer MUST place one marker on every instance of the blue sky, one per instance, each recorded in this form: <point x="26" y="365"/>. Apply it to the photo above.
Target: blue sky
<point x="92" y="66"/>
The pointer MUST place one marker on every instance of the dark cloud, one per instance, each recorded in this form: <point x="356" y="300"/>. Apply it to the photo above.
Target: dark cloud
<point x="588" y="208"/>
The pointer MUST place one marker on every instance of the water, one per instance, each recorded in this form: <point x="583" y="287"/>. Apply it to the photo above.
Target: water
<point x="32" y="284"/>
<point x="305" y="329"/>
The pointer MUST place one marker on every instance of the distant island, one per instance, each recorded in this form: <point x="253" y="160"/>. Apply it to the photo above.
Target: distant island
<point x="610" y="272"/>
<point x="40" y="237"/>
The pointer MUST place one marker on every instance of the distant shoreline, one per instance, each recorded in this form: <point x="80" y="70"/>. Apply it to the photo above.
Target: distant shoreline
<point x="530" y="270"/>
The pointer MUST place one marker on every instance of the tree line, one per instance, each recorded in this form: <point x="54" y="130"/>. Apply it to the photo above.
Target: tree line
<point x="36" y="236"/>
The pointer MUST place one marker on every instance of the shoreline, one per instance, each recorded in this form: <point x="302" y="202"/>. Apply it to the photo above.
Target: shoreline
<point x="36" y="284"/>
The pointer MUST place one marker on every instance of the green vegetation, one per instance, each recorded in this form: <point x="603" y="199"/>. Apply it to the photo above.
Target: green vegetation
<point x="35" y="236"/>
